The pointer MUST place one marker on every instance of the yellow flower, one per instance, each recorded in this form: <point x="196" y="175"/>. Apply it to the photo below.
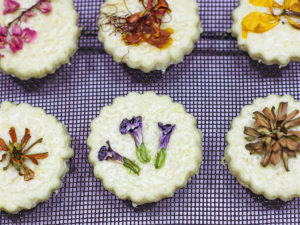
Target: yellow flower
<point x="258" y="22"/>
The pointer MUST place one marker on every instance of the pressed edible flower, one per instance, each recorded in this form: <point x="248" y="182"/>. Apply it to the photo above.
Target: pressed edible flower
<point x="15" y="43"/>
<point x="258" y="22"/>
<point x="165" y="134"/>
<point x="135" y="128"/>
<point x="27" y="15"/>
<point x="10" y="6"/>
<point x="107" y="153"/>
<point x="274" y="135"/>
<point x="17" y="153"/>
<point x="44" y="7"/>
<point x="3" y="31"/>
<point x="28" y="35"/>
<point x="144" y="26"/>
<point x="16" y="30"/>
<point x="3" y="42"/>
<point x="17" y="36"/>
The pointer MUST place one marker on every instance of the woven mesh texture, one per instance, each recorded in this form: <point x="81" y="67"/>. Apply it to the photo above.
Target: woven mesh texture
<point x="214" y="83"/>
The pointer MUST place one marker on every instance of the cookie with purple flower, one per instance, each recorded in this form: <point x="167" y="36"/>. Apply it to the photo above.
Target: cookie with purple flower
<point x="144" y="146"/>
<point x="36" y="36"/>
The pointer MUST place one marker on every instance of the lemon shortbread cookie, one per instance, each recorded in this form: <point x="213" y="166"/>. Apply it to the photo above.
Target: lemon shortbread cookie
<point x="150" y="34"/>
<point x="158" y="136"/>
<point x="34" y="148"/>
<point x="263" y="152"/>
<point x="36" y="36"/>
<point x="268" y="30"/>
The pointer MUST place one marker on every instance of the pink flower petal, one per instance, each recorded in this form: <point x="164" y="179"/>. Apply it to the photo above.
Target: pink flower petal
<point x="10" y="6"/>
<point x="150" y="4"/>
<point x="28" y="15"/>
<point x="15" y="44"/>
<point x="16" y="30"/>
<point x="3" y="31"/>
<point x="45" y="7"/>
<point x="3" y="40"/>
<point x="1" y="56"/>
<point x="28" y="35"/>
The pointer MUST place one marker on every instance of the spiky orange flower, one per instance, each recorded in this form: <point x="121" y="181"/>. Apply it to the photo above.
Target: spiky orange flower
<point x="18" y="154"/>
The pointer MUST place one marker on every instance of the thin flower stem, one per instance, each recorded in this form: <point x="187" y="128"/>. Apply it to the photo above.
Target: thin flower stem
<point x="142" y="154"/>
<point x="287" y="12"/>
<point x="132" y="166"/>
<point x="160" y="158"/>
<point x="23" y="13"/>
<point x="127" y="7"/>
<point x="31" y="146"/>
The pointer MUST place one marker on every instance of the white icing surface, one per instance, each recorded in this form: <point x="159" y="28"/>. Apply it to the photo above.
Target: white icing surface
<point x="184" y="20"/>
<point x="279" y="45"/>
<point x="15" y="193"/>
<point x="56" y="41"/>
<point x="184" y="152"/>
<point x="271" y="181"/>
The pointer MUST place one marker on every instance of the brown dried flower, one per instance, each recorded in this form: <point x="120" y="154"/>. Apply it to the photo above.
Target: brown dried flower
<point x="275" y="139"/>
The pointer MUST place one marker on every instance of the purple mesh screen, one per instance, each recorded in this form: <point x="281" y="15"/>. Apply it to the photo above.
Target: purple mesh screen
<point x="214" y="83"/>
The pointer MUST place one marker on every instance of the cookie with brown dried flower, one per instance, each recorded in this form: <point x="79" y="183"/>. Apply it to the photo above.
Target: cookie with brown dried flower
<point x="262" y="152"/>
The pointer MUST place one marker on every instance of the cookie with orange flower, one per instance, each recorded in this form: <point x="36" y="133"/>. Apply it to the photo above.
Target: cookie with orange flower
<point x="149" y="34"/>
<point x="34" y="148"/>
<point x="36" y="36"/>
<point x="268" y="30"/>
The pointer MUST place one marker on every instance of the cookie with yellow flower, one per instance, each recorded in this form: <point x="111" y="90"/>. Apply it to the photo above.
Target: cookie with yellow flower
<point x="268" y="30"/>
<point x="34" y="149"/>
<point x="36" y="36"/>
<point x="264" y="145"/>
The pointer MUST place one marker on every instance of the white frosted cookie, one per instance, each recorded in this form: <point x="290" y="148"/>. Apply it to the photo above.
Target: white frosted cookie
<point x="270" y="34"/>
<point x="147" y="184"/>
<point x="267" y="162"/>
<point x="182" y="21"/>
<point x="44" y="163"/>
<point x="55" y="41"/>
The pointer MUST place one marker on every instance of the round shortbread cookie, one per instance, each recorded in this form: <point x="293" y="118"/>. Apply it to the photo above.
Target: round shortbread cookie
<point x="55" y="43"/>
<point x="183" y="154"/>
<point x="184" y="20"/>
<point x="279" y="45"/>
<point x="271" y="181"/>
<point x="15" y="193"/>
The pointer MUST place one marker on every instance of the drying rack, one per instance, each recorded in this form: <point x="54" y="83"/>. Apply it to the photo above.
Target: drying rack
<point x="214" y="83"/>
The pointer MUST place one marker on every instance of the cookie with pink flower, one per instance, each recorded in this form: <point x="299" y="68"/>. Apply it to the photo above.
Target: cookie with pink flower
<point x="36" y="36"/>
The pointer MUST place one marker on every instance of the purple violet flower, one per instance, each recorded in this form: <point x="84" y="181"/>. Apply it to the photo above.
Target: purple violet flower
<point x="165" y="134"/>
<point x="107" y="153"/>
<point x="135" y="128"/>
